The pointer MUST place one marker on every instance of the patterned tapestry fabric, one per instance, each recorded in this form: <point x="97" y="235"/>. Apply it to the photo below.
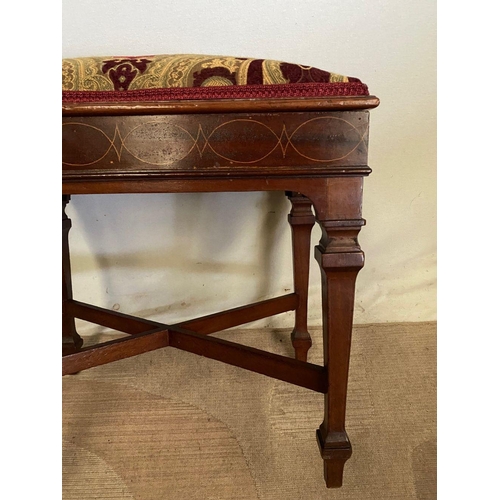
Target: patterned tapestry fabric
<point x="175" y="77"/>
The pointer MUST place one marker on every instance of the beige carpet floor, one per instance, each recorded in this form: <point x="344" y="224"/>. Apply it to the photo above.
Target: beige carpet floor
<point x="170" y="425"/>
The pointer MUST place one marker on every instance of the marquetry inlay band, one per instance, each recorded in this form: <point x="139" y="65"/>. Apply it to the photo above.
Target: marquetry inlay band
<point x="214" y="141"/>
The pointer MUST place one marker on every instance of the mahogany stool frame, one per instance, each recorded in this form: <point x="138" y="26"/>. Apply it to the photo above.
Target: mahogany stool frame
<point x="313" y="149"/>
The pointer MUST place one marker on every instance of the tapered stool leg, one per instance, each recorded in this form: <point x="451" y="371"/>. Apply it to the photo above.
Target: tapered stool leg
<point x="340" y="258"/>
<point x="71" y="341"/>
<point x="302" y="220"/>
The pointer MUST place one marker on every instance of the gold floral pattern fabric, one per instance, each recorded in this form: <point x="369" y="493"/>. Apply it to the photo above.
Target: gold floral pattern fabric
<point x="184" y="71"/>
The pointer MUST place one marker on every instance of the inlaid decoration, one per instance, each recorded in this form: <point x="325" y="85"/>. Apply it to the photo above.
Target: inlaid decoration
<point x="215" y="141"/>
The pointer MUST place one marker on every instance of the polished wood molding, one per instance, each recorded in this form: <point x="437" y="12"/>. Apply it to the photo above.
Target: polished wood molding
<point x="221" y="106"/>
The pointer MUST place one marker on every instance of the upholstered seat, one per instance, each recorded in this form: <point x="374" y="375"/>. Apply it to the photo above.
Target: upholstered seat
<point x="173" y="77"/>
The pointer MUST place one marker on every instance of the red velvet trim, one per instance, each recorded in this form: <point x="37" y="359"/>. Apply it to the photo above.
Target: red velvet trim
<point x="229" y="92"/>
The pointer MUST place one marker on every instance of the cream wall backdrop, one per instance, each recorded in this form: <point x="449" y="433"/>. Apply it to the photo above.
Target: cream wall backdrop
<point x="174" y="256"/>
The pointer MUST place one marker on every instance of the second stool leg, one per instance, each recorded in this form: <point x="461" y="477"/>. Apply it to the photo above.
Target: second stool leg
<point x="301" y="219"/>
<point x="71" y="341"/>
